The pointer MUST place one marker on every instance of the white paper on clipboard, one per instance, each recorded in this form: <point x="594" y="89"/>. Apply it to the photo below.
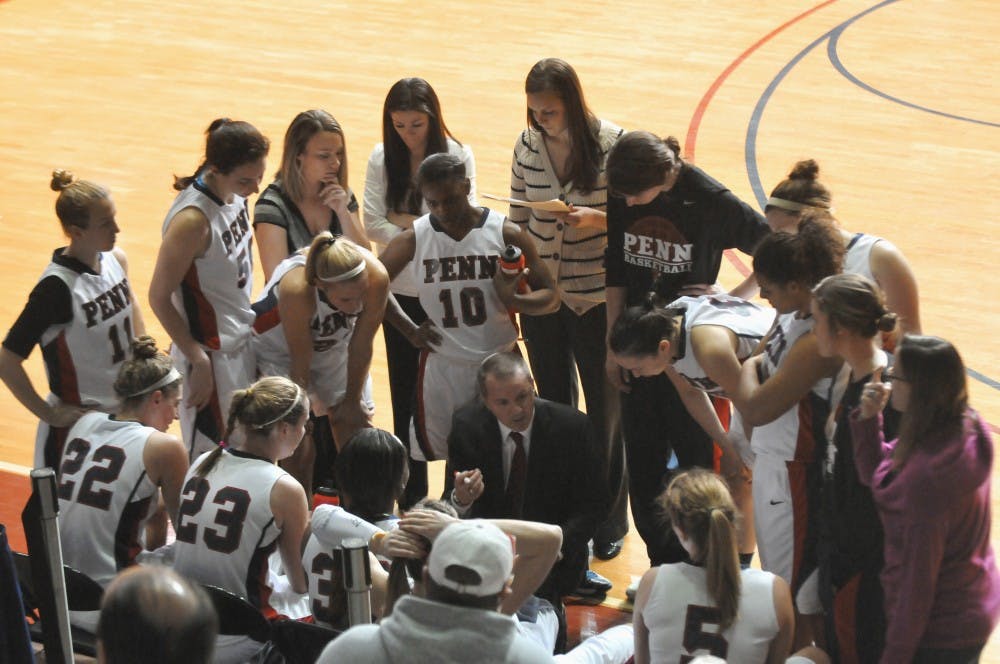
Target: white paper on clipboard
<point x="554" y="205"/>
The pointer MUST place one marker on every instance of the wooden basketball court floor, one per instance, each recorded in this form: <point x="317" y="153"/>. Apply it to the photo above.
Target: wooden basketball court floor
<point x="896" y="100"/>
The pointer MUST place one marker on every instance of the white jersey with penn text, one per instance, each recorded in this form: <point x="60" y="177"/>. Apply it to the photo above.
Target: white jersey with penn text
<point x="795" y="434"/>
<point x="331" y="334"/>
<point x="225" y="528"/>
<point x="82" y="356"/>
<point x="857" y="258"/>
<point x="748" y="321"/>
<point x="684" y="621"/>
<point x="455" y="284"/>
<point x="104" y="494"/>
<point x="214" y="296"/>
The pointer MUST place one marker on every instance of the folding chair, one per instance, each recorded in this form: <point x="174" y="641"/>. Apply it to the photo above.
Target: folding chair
<point x="82" y="594"/>
<point x="301" y="642"/>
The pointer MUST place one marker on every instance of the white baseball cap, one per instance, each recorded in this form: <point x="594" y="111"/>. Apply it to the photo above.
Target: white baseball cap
<point x="476" y="546"/>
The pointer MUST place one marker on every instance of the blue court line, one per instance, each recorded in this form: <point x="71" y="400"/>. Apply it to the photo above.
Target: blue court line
<point x="750" y="147"/>
<point x="831" y="50"/>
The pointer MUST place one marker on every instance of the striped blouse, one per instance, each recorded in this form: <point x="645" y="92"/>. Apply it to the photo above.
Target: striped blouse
<point x="574" y="256"/>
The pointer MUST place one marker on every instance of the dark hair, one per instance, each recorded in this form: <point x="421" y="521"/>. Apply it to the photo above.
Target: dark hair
<point x="440" y="167"/>
<point x="75" y="198"/>
<point x="939" y="396"/>
<point x="699" y="503"/>
<point x="147" y="367"/>
<point x="369" y="470"/>
<point x="640" y="160"/>
<point x="229" y="144"/>
<point x="258" y="409"/>
<point x="640" y="329"/>
<point x="409" y="94"/>
<point x="501" y="366"/>
<point x="816" y="251"/>
<point x="854" y="303"/>
<point x="152" y="614"/>
<point x="306" y="125"/>
<point x="404" y="569"/>
<point x="801" y="186"/>
<point x="558" y="77"/>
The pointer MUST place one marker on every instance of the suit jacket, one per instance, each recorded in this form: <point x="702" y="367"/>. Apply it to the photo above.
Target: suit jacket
<point x="566" y="483"/>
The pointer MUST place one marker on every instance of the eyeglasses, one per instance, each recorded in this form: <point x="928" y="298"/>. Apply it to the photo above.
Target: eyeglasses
<point x="891" y="375"/>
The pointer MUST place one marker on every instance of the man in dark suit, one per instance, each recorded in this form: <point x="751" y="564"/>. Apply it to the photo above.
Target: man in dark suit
<point x="513" y="455"/>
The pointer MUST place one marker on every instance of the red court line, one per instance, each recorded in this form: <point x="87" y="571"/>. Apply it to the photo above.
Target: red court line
<point x="691" y="139"/>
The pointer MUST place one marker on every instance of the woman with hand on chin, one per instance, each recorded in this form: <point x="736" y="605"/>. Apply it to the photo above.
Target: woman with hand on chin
<point x="562" y="155"/>
<point x="200" y="289"/>
<point x="413" y="128"/>
<point x="309" y="194"/>
<point x="932" y="489"/>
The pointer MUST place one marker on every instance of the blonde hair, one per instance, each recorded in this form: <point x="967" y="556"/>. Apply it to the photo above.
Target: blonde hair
<point x="147" y="367"/>
<point x="330" y="258"/>
<point x="258" y="408"/>
<point x="699" y="504"/>
<point x="75" y="198"/>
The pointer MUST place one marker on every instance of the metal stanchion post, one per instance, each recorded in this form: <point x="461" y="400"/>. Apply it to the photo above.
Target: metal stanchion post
<point x="357" y="581"/>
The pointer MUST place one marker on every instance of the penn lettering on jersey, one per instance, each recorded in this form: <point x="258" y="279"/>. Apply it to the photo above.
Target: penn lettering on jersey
<point x="460" y="268"/>
<point x="109" y="303"/>
<point x="657" y="253"/>
<point x="328" y="327"/>
<point x="238" y="228"/>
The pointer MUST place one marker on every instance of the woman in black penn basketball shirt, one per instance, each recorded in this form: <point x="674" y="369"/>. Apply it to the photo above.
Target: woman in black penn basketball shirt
<point x="668" y="225"/>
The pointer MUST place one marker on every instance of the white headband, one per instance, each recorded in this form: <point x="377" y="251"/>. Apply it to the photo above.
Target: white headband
<point x="793" y="206"/>
<point x="171" y="376"/>
<point x="350" y="274"/>
<point x="785" y="204"/>
<point x="288" y="411"/>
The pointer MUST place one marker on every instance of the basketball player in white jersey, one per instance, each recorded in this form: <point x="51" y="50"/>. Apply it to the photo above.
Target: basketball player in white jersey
<point x="700" y="343"/>
<point x="709" y="606"/>
<point x="453" y="253"/>
<point x="867" y="255"/>
<point x="200" y="288"/>
<point x="316" y="322"/>
<point x="785" y="394"/>
<point x="115" y="467"/>
<point x="238" y="507"/>
<point x="83" y="315"/>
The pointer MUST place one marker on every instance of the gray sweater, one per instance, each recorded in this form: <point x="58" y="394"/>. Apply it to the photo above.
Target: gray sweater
<point x="421" y="630"/>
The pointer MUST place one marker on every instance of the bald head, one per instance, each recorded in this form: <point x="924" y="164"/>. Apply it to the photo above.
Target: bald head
<point x="153" y="615"/>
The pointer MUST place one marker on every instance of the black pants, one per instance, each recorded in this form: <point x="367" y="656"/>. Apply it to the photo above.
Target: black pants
<point x="559" y="345"/>
<point x="656" y="423"/>
<point x="402" y="360"/>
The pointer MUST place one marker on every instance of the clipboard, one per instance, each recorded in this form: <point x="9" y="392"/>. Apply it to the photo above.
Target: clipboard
<point x="554" y="205"/>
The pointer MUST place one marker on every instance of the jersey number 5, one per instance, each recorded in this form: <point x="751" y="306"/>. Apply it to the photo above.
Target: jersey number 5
<point x="695" y="636"/>
<point x="235" y="502"/>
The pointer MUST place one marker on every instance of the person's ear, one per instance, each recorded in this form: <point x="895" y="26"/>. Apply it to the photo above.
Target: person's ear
<point x="467" y="186"/>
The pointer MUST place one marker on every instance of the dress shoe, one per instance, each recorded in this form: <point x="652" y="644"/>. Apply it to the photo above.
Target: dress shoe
<point x="607" y="550"/>
<point x="592" y="584"/>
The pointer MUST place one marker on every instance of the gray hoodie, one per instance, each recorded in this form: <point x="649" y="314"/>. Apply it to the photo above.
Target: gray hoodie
<point x="421" y="631"/>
